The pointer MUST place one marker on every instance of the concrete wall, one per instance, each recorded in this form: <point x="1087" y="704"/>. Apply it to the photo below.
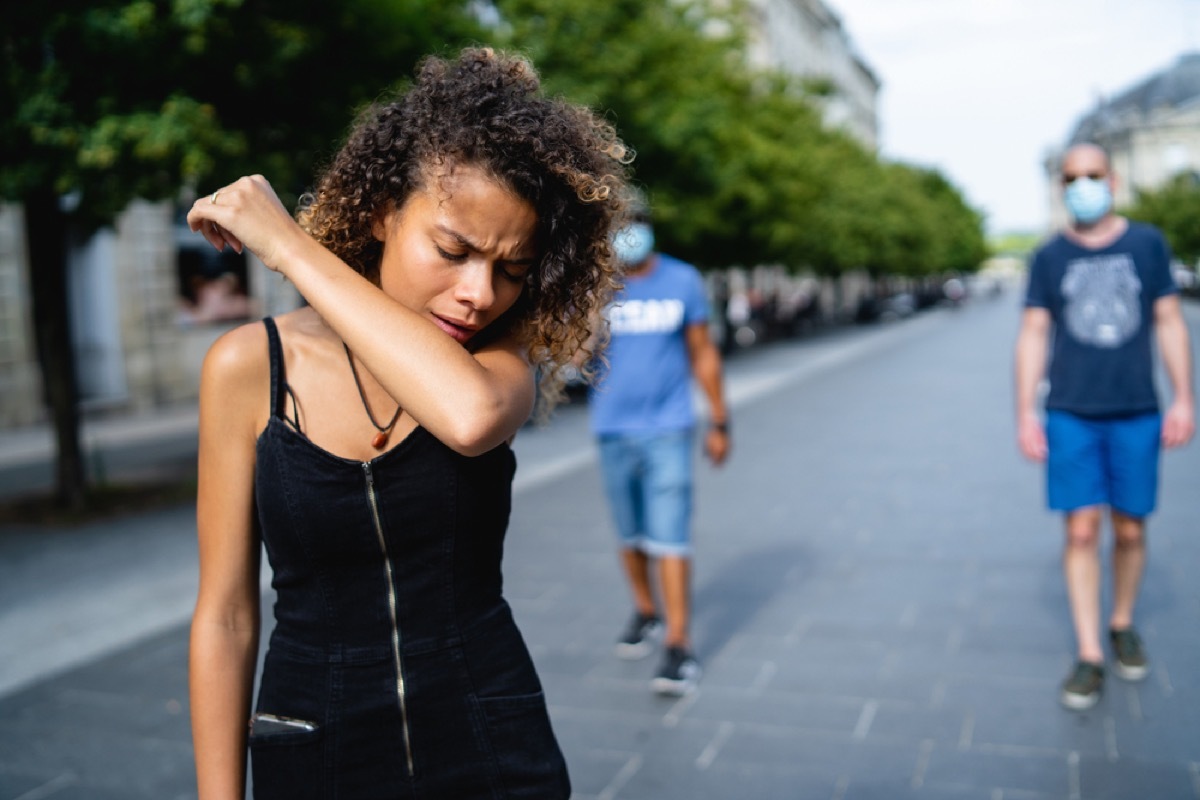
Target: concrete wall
<point x="20" y="378"/>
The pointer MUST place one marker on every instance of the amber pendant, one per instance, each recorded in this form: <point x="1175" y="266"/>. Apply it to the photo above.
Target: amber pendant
<point x="379" y="440"/>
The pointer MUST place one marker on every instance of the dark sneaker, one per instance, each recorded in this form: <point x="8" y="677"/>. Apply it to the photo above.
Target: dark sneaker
<point x="1131" y="663"/>
<point x="640" y="636"/>
<point x="678" y="674"/>
<point x="1082" y="688"/>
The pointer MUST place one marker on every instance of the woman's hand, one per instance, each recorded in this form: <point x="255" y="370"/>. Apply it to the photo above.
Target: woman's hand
<point x="247" y="214"/>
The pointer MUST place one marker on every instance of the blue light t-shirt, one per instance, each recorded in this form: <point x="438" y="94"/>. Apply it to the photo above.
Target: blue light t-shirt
<point x="1102" y="305"/>
<point x="646" y="387"/>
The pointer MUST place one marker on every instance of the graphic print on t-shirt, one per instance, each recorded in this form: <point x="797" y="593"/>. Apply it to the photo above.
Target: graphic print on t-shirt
<point x="646" y="316"/>
<point x="1102" y="294"/>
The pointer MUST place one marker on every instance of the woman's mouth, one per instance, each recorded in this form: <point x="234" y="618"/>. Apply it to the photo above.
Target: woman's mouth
<point x="456" y="330"/>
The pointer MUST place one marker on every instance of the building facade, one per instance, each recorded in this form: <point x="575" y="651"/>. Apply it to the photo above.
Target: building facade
<point x="806" y="38"/>
<point x="1151" y="132"/>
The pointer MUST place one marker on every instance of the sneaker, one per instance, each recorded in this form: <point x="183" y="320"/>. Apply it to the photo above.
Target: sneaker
<point x="640" y="636"/>
<point x="1131" y="663"/>
<point x="678" y="674"/>
<point x="1082" y="689"/>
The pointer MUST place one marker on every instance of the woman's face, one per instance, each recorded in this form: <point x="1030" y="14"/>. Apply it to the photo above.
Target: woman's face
<point x="458" y="250"/>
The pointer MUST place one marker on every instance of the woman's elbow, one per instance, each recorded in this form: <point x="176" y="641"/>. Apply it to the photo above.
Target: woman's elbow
<point x="480" y="429"/>
<point x="474" y="439"/>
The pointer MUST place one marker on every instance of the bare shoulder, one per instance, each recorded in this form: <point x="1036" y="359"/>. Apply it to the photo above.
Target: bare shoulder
<point x="235" y="383"/>
<point x="309" y="347"/>
<point x="303" y="322"/>
<point x="237" y="356"/>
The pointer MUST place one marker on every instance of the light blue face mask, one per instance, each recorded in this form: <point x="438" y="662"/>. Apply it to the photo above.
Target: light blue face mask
<point x="633" y="244"/>
<point x="1088" y="199"/>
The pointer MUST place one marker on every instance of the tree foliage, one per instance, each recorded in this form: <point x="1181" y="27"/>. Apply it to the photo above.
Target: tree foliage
<point x="117" y="99"/>
<point x="666" y="74"/>
<point x="738" y="165"/>
<point x="1175" y="209"/>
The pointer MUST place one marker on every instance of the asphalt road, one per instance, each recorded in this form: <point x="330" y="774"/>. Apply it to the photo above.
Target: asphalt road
<point x="879" y="607"/>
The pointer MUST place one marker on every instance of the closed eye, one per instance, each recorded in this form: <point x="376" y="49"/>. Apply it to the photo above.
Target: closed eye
<point x="451" y="256"/>
<point x="515" y="273"/>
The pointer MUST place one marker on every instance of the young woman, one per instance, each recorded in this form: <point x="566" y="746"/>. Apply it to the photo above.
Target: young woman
<point x="457" y="241"/>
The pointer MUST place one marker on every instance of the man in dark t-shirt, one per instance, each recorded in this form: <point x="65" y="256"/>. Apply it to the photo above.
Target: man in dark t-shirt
<point x="1103" y="288"/>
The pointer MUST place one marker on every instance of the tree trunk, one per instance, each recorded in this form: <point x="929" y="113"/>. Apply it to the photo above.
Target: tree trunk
<point x="46" y="239"/>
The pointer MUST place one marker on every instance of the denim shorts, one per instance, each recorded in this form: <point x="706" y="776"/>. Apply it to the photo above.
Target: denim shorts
<point x="648" y="479"/>
<point x="1103" y="461"/>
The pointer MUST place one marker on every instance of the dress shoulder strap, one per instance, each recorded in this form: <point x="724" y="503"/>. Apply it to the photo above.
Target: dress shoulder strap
<point x="279" y="386"/>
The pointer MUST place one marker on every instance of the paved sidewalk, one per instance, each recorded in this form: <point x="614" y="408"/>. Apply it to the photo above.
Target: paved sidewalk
<point x="880" y="610"/>
<point x="115" y="448"/>
<point x="35" y="444"/>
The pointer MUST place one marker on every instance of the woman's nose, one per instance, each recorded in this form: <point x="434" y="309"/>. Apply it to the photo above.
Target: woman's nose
<point x="475" y="285"/>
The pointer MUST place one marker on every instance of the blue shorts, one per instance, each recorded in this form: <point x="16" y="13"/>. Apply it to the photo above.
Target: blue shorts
<point x="648" y="480"/>
<point x="1103" y="461"/>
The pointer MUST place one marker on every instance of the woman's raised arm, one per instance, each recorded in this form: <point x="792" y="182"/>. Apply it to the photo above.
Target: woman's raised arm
<point x="471" y="402"/>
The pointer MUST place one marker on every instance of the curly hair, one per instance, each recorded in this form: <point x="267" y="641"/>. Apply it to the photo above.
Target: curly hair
<point x="485" y="109"/>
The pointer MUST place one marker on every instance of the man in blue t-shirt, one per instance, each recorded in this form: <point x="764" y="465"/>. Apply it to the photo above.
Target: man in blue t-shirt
<point x="1104" y="289"/>
<point x="642" y="416"/>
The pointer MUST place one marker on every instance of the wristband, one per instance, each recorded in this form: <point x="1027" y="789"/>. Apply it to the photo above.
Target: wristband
<point x="722" y="427"/>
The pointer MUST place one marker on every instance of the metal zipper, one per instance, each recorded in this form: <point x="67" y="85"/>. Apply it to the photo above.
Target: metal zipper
<point x="391" y="584"/>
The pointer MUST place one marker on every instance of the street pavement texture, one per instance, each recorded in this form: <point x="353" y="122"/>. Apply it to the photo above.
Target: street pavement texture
<point x="879" y="607"/>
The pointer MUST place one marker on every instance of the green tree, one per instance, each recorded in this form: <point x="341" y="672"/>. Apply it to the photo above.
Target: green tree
<point x="719" y="148"/>
<point x="1175" y="209"/>
<point x="738" y="166"/>
<point x="957" y="228"/>
<point x="849" y="228"/>
<point x="104" y="101"/>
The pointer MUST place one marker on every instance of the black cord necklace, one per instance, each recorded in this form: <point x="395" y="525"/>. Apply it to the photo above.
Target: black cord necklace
<point x="379" y="439"/>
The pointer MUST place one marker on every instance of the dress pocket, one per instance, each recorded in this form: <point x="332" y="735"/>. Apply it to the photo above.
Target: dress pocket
<point x="286" y="757"/>
<point x="527" y="755"/>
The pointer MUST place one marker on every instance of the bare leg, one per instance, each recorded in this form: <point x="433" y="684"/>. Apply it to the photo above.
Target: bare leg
<point x="674" y="574"/>
<point x="1129" y="561"/>
<point x="637" y="570"/>
<point x="1081" y="568"/>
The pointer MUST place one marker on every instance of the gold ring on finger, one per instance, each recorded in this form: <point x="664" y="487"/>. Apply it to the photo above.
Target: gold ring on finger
<point x="213" y="198"/>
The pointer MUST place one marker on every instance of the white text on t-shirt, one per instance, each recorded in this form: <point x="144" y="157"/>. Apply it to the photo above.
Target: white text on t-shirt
<point x="646" y="316"/>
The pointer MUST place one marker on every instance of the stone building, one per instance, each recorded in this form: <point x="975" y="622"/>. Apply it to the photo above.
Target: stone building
<point x="1151" y="130"/>
<point x="806" y="38"/>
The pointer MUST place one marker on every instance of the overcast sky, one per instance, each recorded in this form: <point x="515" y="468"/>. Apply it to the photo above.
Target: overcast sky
<point x="982" y="88"/>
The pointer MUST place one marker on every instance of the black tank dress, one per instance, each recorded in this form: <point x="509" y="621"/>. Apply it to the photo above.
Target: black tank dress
<point x="395" y="669"/>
